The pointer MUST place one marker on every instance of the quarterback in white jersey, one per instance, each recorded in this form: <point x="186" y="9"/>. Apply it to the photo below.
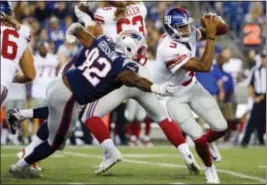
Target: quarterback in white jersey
<point x="176" y="64"/>
<point x="14" y="52"/>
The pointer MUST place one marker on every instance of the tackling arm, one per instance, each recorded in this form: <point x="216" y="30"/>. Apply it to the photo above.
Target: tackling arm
<point x="85" y="35"/>
<point x="131" y="79"/>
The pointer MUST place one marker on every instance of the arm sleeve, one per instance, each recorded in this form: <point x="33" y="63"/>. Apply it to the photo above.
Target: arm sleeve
<point x="173" y="57"/>
<point x="99" y="17"/>
<point x="176" y="62"/>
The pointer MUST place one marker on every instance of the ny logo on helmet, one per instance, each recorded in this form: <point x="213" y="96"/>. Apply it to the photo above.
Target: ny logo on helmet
<point x="167" y="19"/>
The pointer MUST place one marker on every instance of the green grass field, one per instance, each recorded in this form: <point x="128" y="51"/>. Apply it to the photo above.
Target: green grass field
<point x="157" y="165"/>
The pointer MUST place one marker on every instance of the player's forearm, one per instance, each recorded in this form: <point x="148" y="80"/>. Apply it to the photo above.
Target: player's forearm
<point x="21" y="78"/>
<point x="84" y="37"/>
<point x="208" y="55"/>
<point x="139" y="82"/>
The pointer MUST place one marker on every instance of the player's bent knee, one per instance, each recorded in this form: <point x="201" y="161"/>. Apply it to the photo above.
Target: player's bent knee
<point x="222" y="126"/>
<point x="178" y="112"/>
<point x="128" y="116"/>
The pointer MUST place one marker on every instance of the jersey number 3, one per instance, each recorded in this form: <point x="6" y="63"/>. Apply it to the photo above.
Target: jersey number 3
<point x="9" y="48"/>
<point x="95" y="67"/>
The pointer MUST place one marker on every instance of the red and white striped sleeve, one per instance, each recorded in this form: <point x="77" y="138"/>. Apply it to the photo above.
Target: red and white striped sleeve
<point x="176" y="62"/>
<point x="172" y="54"/>
<point x="99" y="16"/>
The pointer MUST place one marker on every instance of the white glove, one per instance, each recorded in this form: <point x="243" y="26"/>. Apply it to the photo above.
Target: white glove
<point x="70" y="38"/>
<point x="83" y="17"/>
<point x="164" y="89"/>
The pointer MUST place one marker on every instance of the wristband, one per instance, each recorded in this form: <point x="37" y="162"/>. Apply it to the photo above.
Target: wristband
<point x="154" y="88"/>
<point x="210" y="38"/>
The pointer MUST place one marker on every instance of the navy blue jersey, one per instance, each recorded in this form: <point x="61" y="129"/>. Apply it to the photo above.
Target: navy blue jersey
<point x="96" y="69"/>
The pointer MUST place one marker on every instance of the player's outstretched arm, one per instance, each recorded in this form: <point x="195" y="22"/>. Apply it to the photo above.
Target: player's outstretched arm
<point x="204" y="64"/>
<point x="85" y="35"/>
<point x="132" y="79"/>
<point x="27" y="66"/>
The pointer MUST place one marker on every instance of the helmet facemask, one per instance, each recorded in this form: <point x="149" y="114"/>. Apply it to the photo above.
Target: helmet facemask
<point x="133" y="45"/>
<point x="179" y="35"/>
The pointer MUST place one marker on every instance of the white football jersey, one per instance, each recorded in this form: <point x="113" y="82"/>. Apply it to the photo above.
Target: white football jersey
<point x="171" y="56"/>
<point x="45" y="72"/>
<point x="13" y="44"/>
<point x="136" y="15"/>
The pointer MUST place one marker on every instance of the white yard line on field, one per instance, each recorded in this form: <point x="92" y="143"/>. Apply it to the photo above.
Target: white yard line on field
<point x="150" y="155"/>
<point x="228" y="172"/>
<point x="177" y="183"/>
<point x="262" y="166"/>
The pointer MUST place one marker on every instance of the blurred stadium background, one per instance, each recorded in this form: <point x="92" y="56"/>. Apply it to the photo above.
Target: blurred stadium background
<point x="241" y="48"/>
<point x="49" y="21"/>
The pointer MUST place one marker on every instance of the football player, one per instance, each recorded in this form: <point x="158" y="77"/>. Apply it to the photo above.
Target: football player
<point x="176" y="63"/>
<point x="99" y="69"/>
<point x="14" y="51"/>
<point x="98" y="109"/>
<point x="46" y="68"/>
<point x="134" y="46"/>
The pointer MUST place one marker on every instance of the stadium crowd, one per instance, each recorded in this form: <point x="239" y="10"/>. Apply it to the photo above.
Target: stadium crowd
<point x="50" y="20"/>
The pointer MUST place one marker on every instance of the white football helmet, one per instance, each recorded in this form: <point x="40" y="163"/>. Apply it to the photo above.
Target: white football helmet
<point x="133" y="45"/>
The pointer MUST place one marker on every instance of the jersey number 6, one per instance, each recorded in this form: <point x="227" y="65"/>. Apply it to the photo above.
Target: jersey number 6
<point x="95" y="67"/>
<point x="9" y="48"/>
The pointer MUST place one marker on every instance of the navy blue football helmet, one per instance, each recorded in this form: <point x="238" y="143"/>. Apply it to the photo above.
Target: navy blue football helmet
<point x="175" y="18"/>
<point x="5" y="8"/>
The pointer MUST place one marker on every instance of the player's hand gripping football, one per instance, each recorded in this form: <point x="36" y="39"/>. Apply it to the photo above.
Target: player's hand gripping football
<point x="164" y="89"/>
<point x="210" y="24"/>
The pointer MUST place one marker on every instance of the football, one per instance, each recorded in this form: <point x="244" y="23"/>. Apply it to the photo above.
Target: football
<point x="222" y="27"/>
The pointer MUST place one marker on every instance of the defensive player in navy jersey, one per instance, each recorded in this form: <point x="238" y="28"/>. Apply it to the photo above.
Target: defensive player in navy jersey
<point x="99" y="70"/>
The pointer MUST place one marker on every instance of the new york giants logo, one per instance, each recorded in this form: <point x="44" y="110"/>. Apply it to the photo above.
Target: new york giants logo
<point x="167" y="19"/>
